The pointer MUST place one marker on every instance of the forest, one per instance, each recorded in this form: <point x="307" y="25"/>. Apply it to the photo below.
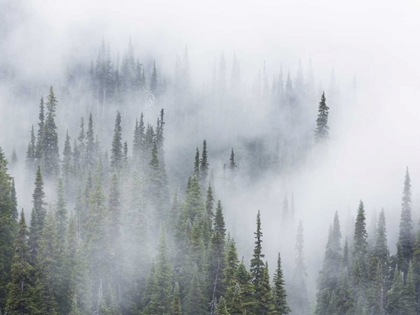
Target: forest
<point x="213" y="181"/>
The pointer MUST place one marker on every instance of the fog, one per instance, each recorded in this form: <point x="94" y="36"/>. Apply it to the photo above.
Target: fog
<point x="370" y="48"/>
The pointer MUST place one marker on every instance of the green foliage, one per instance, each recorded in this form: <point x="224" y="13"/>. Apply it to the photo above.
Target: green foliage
<point x="322" y="129"/>
<point x="279" y="291"/>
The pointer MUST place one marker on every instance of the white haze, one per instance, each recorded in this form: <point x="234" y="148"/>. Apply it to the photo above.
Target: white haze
<point x="372" y="141"/>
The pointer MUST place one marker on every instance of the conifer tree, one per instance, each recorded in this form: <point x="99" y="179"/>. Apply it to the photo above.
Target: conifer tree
<point x="153" y="80"/>
<point x="232" y="164"/>
<point x="39" y="150"/>
<point x="61" y="213"/>
<point x="298" y="293"/>
<point x="67" y="159"/>
<point x="204" y="165"/>
<point x="416" y="264"/>
<point x="360" y="258"/>
<point x="258" y="266"/>
<point x="197" y="163"/>
<point x="380" y="249"/>
<point x="279" y="292"/>
<point x="20" y="290"/>
<point x="50" y="140"/>
<point x="90" y="156"/>
<point x="30" y="152"/>
<point x="376" y="291"/>
<point x="329" y="275"/>
<point x="194" y="304"/>
<point x="405" y="240"/>
<point x="82" y="136"/>
<point x="176" y="301"/>
<point x="322" y="129"/>
<point x="221" y="307"/>
<point x="265" y="305"/>
<point x="409" y="295"/>
<point x="117" y="146"/>
<point x="394" y="295"/>
<point x="217" y="256"/>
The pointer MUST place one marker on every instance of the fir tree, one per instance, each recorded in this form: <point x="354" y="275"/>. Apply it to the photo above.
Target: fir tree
<point x="329" y="275"/>
<point x="360" y="257"/>
<point x="405" y="240"/>
<point x="61" y="213"/>
<point x="67" y="158"/>
<point x="204" y="165"/>
<point x="197" y="163"/>
<point x="221" y="307"/>
<point x="50" y="140"/>
<point x="217" y="256"/>
<point x="394" y="295"/>
<point x="298" y="293"/>
<point x="258" y="266"/>
<point x="117" y="146"/>
<point x="19" y="290"/>
<point x="90" y="157"/>
<point x="194" y="304"/>
<point x="39" y="150"/>
<point x="409" y="295"/>
<point x="322" y="129"/>
<point x="279" y="292"/>
<point x="176" y="301"/>
<point x="232" y="164"/>
<point x="153" y="80"/>
<point x="30" y="152"/>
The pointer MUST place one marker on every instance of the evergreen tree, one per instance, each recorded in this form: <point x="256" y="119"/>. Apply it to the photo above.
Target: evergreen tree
<point x="194" y="304"/>
<point x="322" y="129"/>
<point x="19" y="290"/>
<point x="197" y="163"/>
<point x="217" y="256"/>
<point x="204" y="165"/>
<point x="153" y="80"/>
<point x="30" y="152"/>
<point x="329" y="275"/>
<point x="258" y="267"/>
<point x="279" y="292"/>
<point x="405" y="240"/>
<point x="117" y="146"/>
<point x="67" y="159"/>
<point x="50" y="140"/>
<point x="232" y="164"/>
<point x="176" y="301"/>
<point x="409" y="295"/>
<point x="39" y="150"/>
<point x="221" y="307"/>
<point x="265" y="305"/>
<point x="376" y="291"/>
<point x="90" y="156"/>
<point x="61" y="213"/>
<point x="416" y="264"/>
<point x="394" y="295"/>
<point x="360" y="272"/>
<point x="298" y="293"/>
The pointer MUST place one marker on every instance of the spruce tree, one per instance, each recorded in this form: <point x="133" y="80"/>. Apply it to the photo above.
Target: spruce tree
<point x="20" y="298"/>
<point x="117" y="146"/>
<point x="61" y="213"/>
<point x="50" y="140"/>
<point x="197" y="163"/>
<point x="258" y="267"/>
<point x="8" y="227"/>
<point x="279" y="291"/>
<point x="322" y="129"/>
<point x="67" y="159"/>
<point x="298" y="293"/>
<point x="90" y="156"/>
<point x="153" y="80"/>
<point x="39" y="150"/>
<point x="195" y="302"/>
<point x="394" y="295"/>
<point x="329" y="275"/>
<point x="409" y="295"/>
<point x="405" y="240"/>
<point x="232" y="164"/>
<point x="221" y="307"/>
<point x="30" y="152"/>
<point x="204" y="165"/>
<point x="176" y="301"/>
<point x="360" y="272"/>
<point x="217" y="256"/>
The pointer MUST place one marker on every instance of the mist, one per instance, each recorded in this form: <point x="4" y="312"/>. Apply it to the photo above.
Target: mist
<point x="364" y="55"/>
